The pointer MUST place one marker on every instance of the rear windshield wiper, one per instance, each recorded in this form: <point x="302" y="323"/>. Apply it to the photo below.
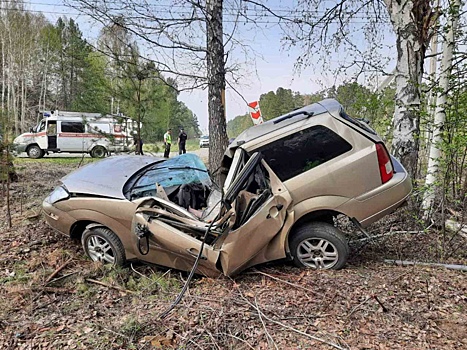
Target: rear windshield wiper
<point x="291" y="115"/>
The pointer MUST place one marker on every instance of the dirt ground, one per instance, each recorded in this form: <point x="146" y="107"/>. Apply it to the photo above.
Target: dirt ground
<point x="52" y="297"/>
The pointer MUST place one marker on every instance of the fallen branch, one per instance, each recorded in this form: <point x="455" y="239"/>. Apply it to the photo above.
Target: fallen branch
<point x="289" y="327"/>
<point x="385" y="309"/>
<point x="411" y="263"/>
<point x="268" y="336"/>
<point x="280" y="280"/>
<point x="44" y="289"/>
<point x="240" y="339"/>
<point x="110" y="286"/>
<point x="60" y="268"/>
<point x="358" y="306"/>
<point x="392" y="233"/>
<point x="62" y="277"/>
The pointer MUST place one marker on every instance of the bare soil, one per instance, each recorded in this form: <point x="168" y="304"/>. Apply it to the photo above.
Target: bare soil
<point x="52" y="297"/>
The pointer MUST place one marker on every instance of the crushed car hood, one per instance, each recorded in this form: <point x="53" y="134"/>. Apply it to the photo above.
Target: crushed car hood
<point x="106" y="177"/>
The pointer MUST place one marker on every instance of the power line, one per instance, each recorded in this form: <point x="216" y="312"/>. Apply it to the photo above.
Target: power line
<point x="167" y="8"/>
<point x="244" y="21"/>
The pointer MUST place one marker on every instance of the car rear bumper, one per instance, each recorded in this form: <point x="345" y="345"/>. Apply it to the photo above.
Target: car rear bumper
<point x="57" y="219"/>
<point x="383" y="200"/>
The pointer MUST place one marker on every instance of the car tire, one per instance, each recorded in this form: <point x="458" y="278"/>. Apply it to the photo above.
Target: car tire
<point x="35" y="152"/>
<point x="98" y="152"/>
<point x="101" y="244"/>
<point x="319" y="245"/>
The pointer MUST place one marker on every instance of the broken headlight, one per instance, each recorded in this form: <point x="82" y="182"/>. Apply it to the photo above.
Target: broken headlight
<point x="59" y="194"/>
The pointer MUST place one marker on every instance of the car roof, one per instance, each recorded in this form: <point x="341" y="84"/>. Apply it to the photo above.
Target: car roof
<point x="328" y="105"/>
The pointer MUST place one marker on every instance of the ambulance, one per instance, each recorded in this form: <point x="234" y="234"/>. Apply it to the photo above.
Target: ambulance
<point x="77" y="132"/>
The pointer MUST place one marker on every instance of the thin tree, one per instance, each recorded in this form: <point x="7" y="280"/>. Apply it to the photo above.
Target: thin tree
<point x="185" y="40"/>
<point x="351" y="32"/>
<point x="440" y="110"/>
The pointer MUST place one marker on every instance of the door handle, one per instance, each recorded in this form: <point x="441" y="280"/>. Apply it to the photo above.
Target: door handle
<point x="194" y="253"/>
<point x="274" y="211"/>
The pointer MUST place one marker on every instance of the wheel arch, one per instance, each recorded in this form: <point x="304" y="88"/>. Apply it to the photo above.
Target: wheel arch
<point x="321" y="215"/>
<point x="78" y="228"/>
<point x="30" y="145"/>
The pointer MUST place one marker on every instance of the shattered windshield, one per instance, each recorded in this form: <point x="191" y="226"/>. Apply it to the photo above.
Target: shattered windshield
<point x="171" y="174"/>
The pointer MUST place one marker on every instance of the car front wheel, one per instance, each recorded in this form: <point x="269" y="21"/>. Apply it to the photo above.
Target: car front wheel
<point x="35" y="152"/>
<point x="98" y="152"/>
<point x="101" y="244"/>
<point x="319" y="245"/>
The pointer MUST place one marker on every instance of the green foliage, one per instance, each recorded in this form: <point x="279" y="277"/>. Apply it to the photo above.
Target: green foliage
<point x="95" y="86"/>
<point x="278" y="103"/>
<point x="357" y="100"/>
<point x="238" y="125"/>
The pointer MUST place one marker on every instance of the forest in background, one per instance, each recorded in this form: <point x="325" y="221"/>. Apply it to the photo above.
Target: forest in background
<point x="50" y="66"/>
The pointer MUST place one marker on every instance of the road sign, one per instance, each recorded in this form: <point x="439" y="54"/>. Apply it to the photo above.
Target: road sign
<point x="255" y="112"/>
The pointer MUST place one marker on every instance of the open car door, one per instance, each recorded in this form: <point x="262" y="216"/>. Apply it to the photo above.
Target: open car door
<point x="260" y="201"/>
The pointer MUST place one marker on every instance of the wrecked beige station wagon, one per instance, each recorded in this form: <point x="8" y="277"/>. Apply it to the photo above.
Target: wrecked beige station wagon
<point x="285" y="181"/>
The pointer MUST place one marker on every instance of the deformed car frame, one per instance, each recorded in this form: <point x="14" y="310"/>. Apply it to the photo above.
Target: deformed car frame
<point x="268" y="214"/>
<point x="252" y="212"/>
<point x="284" y="183"/>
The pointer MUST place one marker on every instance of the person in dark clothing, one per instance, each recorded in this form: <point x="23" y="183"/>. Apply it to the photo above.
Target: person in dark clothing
<point x="138" y="145"/>
<point x="182" y="141"/>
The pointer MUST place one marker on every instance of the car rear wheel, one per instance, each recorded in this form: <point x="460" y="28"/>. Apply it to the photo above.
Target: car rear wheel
<point x="101" y="244"/>
<point x="98" y="152"/>
<point x="319" y="245"/>
<point x="35" y="152"/>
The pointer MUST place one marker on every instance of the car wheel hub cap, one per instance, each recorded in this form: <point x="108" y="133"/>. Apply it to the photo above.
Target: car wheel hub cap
<point x="100" y="250"/>
<point x="317" y="253"/>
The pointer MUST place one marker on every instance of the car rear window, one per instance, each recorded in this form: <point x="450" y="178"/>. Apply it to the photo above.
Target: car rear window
<point x="302" y="151"/>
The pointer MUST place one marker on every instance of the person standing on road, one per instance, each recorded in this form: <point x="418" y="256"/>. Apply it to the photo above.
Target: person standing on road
<point x="167" y="142"/>
<point x="182" y="141"/>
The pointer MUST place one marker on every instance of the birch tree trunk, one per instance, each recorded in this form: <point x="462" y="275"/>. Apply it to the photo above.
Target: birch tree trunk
<point x="440" y="111"/>
<point x="408" y="18"/>
<point x="216" y="85"/>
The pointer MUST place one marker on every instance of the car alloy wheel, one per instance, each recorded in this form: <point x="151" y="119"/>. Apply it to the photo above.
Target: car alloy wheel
<point x="318" y="245"/>
<point x="101" y="244"/>
<point x="317" y="253"/>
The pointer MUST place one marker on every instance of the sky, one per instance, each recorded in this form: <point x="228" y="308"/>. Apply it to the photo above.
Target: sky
<point x="269" y="65"/>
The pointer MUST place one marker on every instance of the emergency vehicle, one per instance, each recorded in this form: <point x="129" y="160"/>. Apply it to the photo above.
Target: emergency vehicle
<point x="77" y="132"/>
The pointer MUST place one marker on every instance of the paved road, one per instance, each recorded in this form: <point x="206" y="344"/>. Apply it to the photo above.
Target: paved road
<point x="203" y="153"/>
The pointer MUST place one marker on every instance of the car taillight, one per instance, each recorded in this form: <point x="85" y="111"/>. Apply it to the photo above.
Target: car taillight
<point x="384" y="162"/>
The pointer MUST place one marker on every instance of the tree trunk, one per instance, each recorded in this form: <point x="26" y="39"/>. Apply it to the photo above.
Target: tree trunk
<point x="409" y="19"/>
<point x="218" y="140"/>
<point x="440" y="111"/>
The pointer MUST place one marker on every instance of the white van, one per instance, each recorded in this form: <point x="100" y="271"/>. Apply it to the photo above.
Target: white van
<point x="77" y="132"/>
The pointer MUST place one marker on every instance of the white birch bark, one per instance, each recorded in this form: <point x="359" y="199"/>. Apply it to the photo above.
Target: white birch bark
<point x="440" y="111"/>
<point x="409" y="69"/>
<point x="431" y="95"/>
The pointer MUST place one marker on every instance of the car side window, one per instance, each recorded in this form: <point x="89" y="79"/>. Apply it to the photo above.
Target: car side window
<point x="41" y="126"/>
<point x="299" y="152"/>
<point x="74" y="127"/>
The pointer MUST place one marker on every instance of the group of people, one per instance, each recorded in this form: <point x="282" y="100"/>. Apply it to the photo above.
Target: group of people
<point x="182" y="137"/>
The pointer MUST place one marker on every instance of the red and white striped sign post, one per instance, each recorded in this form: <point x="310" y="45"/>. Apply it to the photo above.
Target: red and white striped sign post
<point x="255" y="112"/>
